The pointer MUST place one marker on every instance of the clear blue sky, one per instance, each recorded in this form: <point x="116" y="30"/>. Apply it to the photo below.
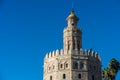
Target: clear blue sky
<point x="31" y="28"/>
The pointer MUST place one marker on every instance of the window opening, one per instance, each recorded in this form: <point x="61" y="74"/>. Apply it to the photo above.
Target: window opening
<point x="79" y="76"/>
<point x="93" y="77"/>
<point x="67" y="65"/>
<point x="64" y="76"/>
<point x="61" y="66"/>
<point x="75" y="65"/>
<point x="81" y="65"/>
<point x="50" y="77"/>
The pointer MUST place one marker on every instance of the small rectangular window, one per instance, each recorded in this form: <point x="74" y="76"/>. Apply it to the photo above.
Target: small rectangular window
<point x="66" y="65"/>
<point x="92" y="77"/>
<point x="79" y="76"/>
<point x="64" y="76"/>
<point x="50" y="77"/>
<point x="61" y="65"/>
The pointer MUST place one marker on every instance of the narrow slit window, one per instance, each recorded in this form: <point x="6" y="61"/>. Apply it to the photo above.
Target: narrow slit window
<point x="50" y="77"/>
<point x="66" y="65"/>
<point x="64" y="76"/>
<point x="79" y="76"/>
<point x="61" y="66"/>
<point x="93" y="77"/>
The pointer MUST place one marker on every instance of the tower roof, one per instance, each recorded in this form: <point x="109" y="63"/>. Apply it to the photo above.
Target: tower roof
<point x="72" y="16"/>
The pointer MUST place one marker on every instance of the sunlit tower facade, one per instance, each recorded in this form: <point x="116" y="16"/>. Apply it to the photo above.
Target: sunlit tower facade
<point x="71" y="62"/>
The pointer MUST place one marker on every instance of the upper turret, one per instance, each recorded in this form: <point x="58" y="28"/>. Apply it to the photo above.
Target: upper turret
<point x="72" y="19"/>
<point x="72" y="34"/>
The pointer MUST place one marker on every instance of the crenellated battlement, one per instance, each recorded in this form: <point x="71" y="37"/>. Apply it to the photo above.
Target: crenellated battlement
<point x="54" y="53"/>
<point x="91" y="53"/>
<point x="57" y="53"/>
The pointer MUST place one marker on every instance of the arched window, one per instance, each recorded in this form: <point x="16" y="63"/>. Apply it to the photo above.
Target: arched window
<point x="93" y="77"/>
<point x="81" y="65"/>
<point x="50" y="77"/>
<point x="66" y="65"/>
<point x="75" y="65"/>
<point x="72" y="24"/>
<point x="61" y="65"/>
<point x="79" y="76"/>
<point x="64" y="76"/>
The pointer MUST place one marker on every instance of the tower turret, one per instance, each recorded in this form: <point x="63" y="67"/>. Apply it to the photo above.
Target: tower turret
<point x="72" y="34"/>
<point x="72" y="19"/>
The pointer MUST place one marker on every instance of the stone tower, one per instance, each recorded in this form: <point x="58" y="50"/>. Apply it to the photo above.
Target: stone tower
<point x="71" y="62"/>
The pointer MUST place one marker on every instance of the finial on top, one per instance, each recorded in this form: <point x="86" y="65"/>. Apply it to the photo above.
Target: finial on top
<point x="72" y="11"/>
<point x="72" y="6"/>
<point x="72" y="16"/>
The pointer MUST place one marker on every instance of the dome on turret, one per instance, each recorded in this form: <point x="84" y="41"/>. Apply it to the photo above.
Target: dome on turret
<point x="72" y="16"/>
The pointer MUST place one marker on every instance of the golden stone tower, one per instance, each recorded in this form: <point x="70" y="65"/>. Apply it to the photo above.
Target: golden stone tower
<point x="71" y="62"/>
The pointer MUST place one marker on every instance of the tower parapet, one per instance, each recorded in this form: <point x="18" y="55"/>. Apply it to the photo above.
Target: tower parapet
<point x="87" y="53"/>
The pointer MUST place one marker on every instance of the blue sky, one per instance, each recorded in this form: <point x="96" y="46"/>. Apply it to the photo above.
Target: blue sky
<point x="31" y="28"/>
